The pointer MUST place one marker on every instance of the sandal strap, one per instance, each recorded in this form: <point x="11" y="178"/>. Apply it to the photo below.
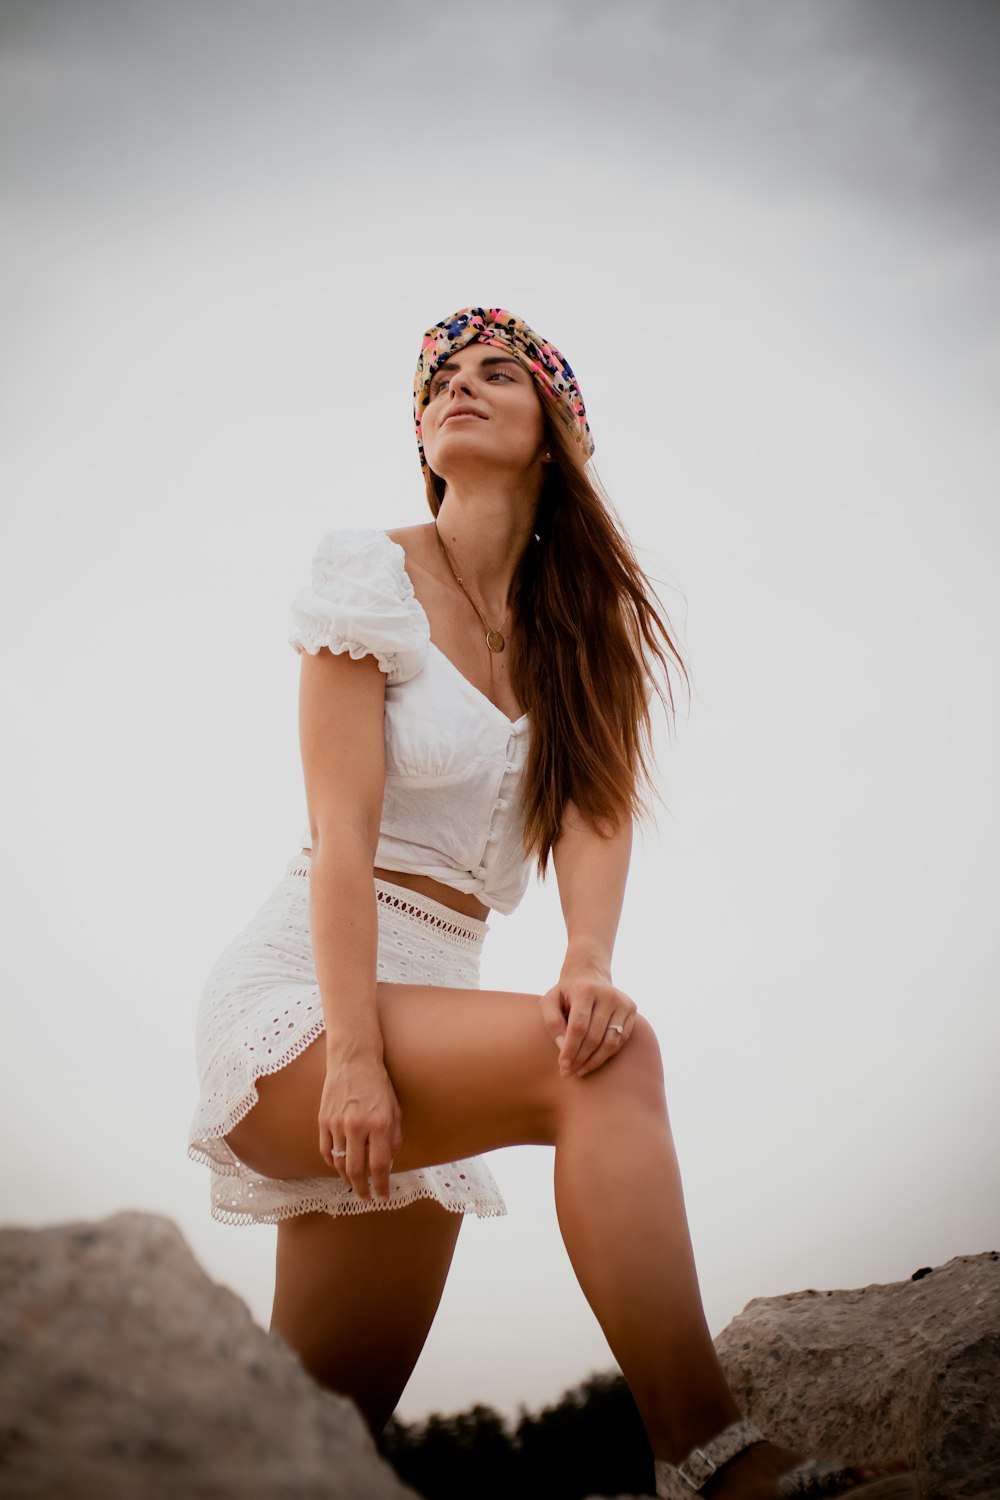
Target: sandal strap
<point x="822" y="1479"/>
<point x="701" y="1463"/>
<point x="815" y="1479"/>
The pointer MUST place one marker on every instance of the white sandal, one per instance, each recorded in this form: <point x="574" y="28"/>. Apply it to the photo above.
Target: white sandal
<point x="815" y="1479"/>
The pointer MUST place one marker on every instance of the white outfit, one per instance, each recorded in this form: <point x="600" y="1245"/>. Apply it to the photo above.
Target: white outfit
<point x="452" y="810"/>
<point x="453" y="760"/>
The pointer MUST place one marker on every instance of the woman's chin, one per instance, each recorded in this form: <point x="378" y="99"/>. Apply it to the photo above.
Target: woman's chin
<point x="461" y="460"/>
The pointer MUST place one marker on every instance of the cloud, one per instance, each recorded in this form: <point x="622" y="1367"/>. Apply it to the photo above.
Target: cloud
<point x="893" y="103"/>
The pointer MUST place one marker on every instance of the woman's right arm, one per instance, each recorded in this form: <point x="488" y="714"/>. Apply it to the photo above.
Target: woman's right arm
<point x="341" y="713"/>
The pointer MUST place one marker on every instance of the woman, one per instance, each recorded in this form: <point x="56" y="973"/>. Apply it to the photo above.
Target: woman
<point x="474" y="695"/>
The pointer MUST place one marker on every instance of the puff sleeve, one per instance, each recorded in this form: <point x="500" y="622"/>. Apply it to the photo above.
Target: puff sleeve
<point x="361" y="600"/>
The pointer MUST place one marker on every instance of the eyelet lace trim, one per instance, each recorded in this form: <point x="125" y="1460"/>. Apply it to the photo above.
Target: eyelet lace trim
<point x="420" y="908"/>
<point x="255" y="1204"/>
<point x="467" y="931"/>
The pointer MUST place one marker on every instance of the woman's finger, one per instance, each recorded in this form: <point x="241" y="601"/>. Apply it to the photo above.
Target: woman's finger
<point x="338" y="1160"/>
<point x="586" y="1041"/>
<point x="356" y="1165"/>
<point x="577" y="1027"/>
<point x="332" y="1151"/>
<point x="605" y="1045"/>
<point x="599" y="1035"/>
<point x="384" y="1142"/>
<point x="591" y="1015"/>
<point x="603" y="1054"/>
<point x="616" y="1034"/>
<point x="380" y="1153"/>
<point x="553" y="1015"/>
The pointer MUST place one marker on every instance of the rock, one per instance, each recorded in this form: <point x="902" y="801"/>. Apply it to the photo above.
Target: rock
<point x="911" y="1369"/>
<point x="125" y="1372"/>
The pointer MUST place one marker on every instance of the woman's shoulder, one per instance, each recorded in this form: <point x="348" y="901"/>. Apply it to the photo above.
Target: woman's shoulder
<point x="355" y="544"/>
<point x="356" y="548"/>
<point x="417" y="551"/>
<point x="414" y="540"/>
<point x="361" y="599"/>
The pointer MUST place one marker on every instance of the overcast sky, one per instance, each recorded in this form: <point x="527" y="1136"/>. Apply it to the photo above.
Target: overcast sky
<point x="767" y="236"/>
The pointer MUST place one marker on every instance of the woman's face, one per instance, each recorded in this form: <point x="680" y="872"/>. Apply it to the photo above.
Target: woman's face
<point x="484" y="409"/>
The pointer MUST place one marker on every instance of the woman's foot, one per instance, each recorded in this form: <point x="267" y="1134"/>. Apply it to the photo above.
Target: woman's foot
<point x="752" y="1474"/>
<point x="746" y="1467"/>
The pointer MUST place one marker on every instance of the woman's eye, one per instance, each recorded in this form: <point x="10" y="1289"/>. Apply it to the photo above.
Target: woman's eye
<point x="442" y="382"/>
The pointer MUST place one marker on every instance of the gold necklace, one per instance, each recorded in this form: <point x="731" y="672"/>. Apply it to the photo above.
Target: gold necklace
<point x="494" y="636"/>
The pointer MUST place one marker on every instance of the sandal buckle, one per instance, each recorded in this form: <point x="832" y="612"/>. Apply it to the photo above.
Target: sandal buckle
<point x="697" y="1469"/>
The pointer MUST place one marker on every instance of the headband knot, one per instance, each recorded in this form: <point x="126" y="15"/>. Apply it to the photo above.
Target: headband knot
<point x="497" y="326"/>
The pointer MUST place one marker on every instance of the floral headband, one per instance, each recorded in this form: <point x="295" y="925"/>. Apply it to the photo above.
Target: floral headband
<point x="496" y="326"/>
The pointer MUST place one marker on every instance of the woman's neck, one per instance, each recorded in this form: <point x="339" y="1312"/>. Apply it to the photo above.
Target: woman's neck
<point x="486" y="532"/>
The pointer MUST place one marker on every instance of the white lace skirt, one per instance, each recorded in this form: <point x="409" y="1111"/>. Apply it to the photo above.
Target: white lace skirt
<point x="260" y="1008"/>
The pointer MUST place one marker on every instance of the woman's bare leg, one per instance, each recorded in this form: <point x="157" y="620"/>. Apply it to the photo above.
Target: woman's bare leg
<point x="355" y="1297"/>
<point x="476" y="1070"/>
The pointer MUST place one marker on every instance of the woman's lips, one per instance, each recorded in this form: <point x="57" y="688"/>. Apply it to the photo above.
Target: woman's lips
<point x="453" y="415"/>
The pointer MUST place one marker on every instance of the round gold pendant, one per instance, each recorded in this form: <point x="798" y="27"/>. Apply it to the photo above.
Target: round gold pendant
<point x="495" y="641"/>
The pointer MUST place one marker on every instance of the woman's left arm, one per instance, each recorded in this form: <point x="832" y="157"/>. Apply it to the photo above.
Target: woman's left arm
<point x="581" y="1010"/>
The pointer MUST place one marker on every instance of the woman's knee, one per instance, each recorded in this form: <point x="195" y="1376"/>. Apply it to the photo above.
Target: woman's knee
<point x="634" y="1076"/>
<point x="638" y="1066"/>
<point x="645" y="1045"/>
<point x="637" y="1069"/>
<point x="649" y="1061"/>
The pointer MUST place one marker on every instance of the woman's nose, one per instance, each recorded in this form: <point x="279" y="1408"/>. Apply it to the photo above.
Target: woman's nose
<point x="459" y="385"/>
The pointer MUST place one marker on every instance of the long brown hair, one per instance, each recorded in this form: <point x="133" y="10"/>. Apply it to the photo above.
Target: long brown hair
<point x="590" y="644"/>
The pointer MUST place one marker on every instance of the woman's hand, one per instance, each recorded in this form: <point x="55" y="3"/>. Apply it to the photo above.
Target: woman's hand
<point x="582" y="1013"/>
<point x="360" y="1130"/>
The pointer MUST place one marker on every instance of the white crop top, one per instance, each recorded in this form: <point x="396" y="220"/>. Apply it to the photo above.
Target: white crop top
<point x="453" y="760"/>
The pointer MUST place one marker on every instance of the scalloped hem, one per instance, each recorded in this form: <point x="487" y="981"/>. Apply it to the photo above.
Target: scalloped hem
<point x="484" y="1206"/>
<point x="239" y="1196"/>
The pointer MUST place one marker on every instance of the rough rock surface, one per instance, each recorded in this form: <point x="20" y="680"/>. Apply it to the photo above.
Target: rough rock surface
<point x="126" y="1372"/>
<point x="911" y="1369"/>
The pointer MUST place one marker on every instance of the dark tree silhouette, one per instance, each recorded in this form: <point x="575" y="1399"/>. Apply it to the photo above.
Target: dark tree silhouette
<point x="591" y="1443"/>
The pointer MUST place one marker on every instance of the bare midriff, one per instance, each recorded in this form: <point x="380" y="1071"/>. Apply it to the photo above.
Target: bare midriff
<point x="423" y="884"/>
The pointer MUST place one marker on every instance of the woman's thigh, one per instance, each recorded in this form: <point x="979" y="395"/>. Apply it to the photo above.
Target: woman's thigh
<point x="472" y="1070"/>
<point x="355" y="1296"/>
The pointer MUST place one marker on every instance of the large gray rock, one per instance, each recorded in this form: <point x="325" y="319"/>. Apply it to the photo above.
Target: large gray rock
<point x="126" y="1373"/>
<point x="911" y="1369"/>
